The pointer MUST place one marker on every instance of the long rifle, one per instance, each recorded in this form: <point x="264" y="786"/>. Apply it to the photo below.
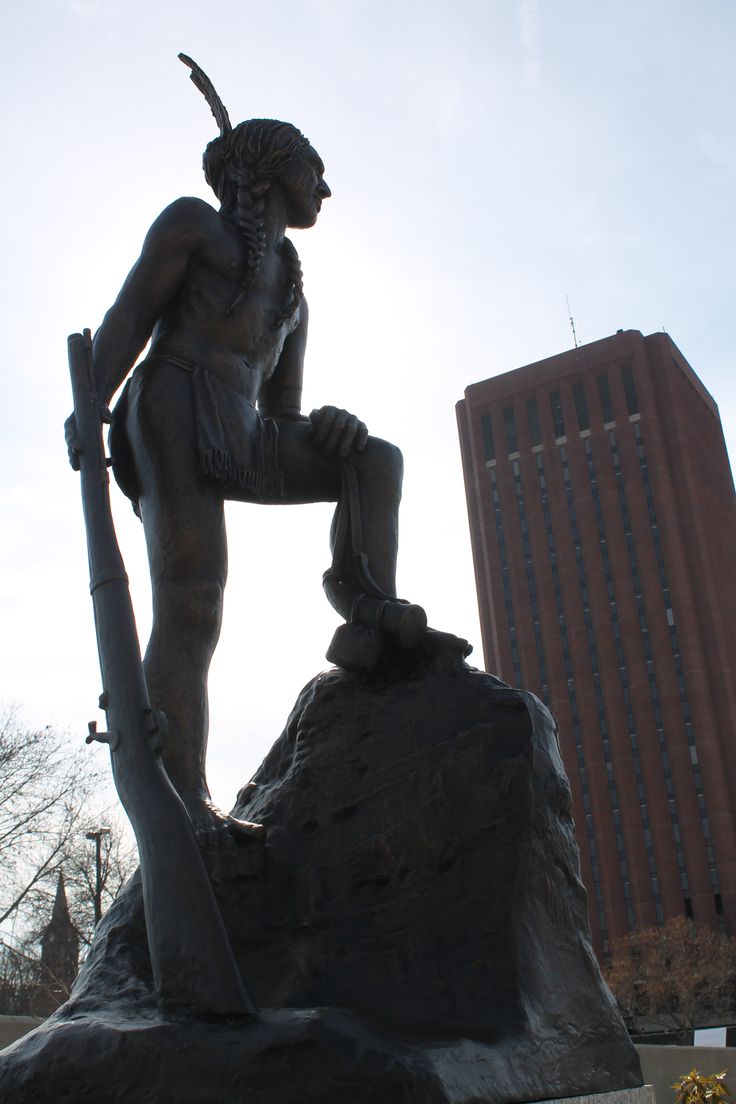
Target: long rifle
<point x="194" y="967"/>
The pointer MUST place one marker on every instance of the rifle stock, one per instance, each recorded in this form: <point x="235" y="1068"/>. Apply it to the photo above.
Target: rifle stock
<point x="194" y="967"/>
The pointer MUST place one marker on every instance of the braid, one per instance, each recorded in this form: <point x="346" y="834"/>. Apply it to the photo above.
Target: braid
<point x="250" y="203"/>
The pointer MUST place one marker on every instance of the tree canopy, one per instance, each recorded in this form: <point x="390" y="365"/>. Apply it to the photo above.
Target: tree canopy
<point x="673" y="977"/>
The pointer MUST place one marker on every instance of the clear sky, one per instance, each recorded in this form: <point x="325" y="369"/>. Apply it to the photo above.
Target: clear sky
<point x="486" y="160"/>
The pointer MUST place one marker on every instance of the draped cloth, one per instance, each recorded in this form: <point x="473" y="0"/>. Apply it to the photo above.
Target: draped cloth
<point x="235" y="445"/>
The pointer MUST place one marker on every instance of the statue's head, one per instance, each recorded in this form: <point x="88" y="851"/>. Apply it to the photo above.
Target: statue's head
<point x="260" y="152"/>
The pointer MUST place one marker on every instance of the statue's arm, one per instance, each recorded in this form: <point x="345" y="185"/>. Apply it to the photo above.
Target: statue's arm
<point x="335" y="432"/>
<point x="151" y="286"/>
<point x="282" y="395"/>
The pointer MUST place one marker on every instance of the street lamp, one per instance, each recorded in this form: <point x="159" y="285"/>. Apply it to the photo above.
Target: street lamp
<point x="96" y="834"/>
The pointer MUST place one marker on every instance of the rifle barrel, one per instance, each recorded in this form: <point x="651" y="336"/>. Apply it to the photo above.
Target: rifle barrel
<point x="194" y="967"/>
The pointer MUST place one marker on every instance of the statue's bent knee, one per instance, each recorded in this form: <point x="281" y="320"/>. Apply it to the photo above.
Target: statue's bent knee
<point x="382" y="463"/>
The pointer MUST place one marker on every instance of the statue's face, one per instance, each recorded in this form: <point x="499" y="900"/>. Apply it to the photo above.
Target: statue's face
<point x="304" y="186"/>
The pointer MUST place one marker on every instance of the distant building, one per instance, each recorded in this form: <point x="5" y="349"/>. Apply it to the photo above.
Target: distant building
<point x="603" y="526"/>
<point x="59" y="956"/>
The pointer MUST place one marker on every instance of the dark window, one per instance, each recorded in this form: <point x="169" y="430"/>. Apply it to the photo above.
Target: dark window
<point x="489" y="448"/>
<point x="557" y="418"/>
<point x="532" y="414"/>
<point x="581" y="406"/>
<point x="510" y="423"/>
<point x="604" y="392"/>
<point x="632" y="402"/>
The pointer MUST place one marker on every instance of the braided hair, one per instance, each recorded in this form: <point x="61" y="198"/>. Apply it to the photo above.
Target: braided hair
<point x="240" y="167"/>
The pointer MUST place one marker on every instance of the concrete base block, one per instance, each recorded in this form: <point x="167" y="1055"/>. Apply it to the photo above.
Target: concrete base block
<point x="662" y="1065"/>
<point x="642" y="1095"/>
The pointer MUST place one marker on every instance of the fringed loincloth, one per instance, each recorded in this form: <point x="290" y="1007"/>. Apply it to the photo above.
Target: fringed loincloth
<point x="235" y="445"/>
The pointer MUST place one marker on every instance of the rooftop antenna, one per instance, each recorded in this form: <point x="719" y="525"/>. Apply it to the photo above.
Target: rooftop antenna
<point x="572" y="322"/>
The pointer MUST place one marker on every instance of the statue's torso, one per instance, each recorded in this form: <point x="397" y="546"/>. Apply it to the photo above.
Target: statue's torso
<point x="242" y="345"/>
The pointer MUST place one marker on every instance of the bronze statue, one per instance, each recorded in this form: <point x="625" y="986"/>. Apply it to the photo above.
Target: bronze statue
<point x="214" y="413"/>
<point x="423" y="801"/>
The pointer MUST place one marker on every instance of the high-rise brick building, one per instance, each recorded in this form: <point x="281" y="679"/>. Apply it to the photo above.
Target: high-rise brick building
<point x="603" y="526"/>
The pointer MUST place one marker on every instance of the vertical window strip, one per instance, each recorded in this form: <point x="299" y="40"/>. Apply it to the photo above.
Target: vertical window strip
<point x="632" y="401"/>
<point x="572" y="698"/>
<point x="677" y="657"/>
<point x="651" y="678"/>
<point x="531" y="583"/>
<point x="581" y="407"/>
<point x="557" y="418"/>
<point x="506" y="582"/>
<point x="512" y="440"/>
<point x="604" y="394"/>
<point x="489" y="447"/>
<point x="593" y="651"/>
<point x="535" y="429"/>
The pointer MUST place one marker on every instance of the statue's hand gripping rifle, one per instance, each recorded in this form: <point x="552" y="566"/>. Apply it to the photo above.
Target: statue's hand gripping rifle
<point x="194" y="967"/>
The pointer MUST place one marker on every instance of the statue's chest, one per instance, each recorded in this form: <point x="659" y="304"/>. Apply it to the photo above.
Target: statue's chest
<point x="224" y="271"/>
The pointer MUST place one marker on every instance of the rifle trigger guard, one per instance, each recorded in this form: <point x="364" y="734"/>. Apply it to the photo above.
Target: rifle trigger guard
<point x="111" y="738"/>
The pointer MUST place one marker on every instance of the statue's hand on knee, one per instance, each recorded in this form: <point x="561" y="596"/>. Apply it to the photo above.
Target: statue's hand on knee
<point x="337" y="432"/>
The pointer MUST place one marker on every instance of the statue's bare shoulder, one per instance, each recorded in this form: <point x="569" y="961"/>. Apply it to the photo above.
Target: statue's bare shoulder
<point x="185" y="225"/>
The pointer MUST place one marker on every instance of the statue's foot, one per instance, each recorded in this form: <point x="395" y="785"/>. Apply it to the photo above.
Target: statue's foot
<point x="382" y="627"/>
<point x="404" y="622"/>
<point x="219" y="831"/>
<point x="355" y="647"/>
<point x="377" y="623"/>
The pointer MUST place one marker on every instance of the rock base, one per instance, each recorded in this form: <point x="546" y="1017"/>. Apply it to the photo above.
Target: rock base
<point x="414" y="927"/>
<point x="309" y="1056"/>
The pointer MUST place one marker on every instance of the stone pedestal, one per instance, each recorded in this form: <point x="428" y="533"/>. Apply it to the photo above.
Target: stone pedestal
<point x="414" y="928"/>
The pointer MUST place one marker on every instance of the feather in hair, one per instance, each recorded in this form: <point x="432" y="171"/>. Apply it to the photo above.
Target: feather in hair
<point x="207" y="88"/>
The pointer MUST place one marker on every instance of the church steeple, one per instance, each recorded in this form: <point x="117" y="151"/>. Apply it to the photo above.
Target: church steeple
<point x="60" y="913"/>
<point x="59" y="950"/>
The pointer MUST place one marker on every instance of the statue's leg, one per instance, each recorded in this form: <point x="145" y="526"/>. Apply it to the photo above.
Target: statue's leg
<point x="310" y="476"/>
<point x="184" y="523"/>
<point x="363" y="574"/>
<point x="187" y="554"/>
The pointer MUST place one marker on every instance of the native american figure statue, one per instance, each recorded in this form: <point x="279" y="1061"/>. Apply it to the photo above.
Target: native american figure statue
<point x="214" y="413"/>
<point x="412" y="924"/>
